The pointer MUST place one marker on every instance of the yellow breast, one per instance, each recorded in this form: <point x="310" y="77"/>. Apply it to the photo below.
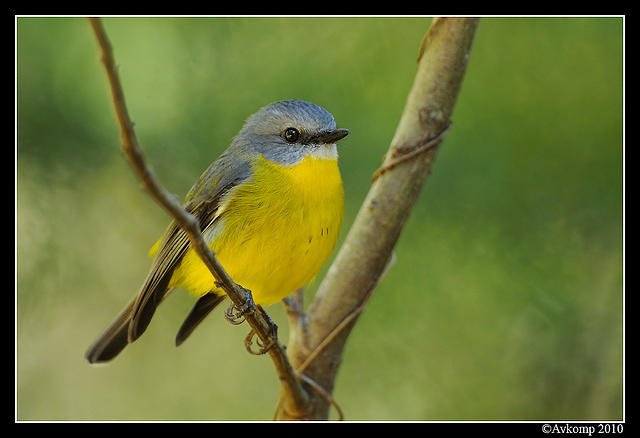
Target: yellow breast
<point x="275" y="232"/>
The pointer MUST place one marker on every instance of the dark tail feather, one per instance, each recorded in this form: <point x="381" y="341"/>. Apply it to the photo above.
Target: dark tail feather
<point x="113" y="339"/>
<point x="149" y="300"/>
<point x="118" y="334"/>
<point x="200" y="310"/>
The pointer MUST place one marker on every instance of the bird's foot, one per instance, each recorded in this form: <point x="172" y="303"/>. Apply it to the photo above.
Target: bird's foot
<point x="235" y="315"/>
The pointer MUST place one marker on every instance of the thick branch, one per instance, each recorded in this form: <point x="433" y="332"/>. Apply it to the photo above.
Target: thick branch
<point x="297" y="399"/>
<point x="368" y="247"/>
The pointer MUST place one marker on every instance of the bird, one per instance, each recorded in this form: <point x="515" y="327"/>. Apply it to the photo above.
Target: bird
<point x="270" y="207"/>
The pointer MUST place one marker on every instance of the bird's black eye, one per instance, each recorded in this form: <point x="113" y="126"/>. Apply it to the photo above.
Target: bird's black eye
<point x="291" y="135"/>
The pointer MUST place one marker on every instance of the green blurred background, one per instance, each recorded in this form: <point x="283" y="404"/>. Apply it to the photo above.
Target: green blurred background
<point x="505" y="302"/>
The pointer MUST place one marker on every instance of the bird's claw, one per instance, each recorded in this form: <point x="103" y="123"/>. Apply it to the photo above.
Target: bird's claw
<point x="235" y="315"/>
<point x="248" y="343"/>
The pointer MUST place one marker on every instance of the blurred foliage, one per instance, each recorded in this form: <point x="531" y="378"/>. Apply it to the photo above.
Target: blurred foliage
<point x="505" y="302"/>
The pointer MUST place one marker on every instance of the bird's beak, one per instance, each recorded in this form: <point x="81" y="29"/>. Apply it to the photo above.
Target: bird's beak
<point x="330" y="136"/>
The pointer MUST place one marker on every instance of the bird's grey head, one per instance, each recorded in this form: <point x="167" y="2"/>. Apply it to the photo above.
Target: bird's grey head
<point x="287" y="131"/>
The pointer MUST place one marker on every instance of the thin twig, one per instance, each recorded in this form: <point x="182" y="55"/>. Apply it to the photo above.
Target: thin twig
<point x="406" y="153"/>
<point x="294" y="308"/>
<point x="350" y="317"/>
<point x="262" y="325"/>
<point x="320" y="390"/>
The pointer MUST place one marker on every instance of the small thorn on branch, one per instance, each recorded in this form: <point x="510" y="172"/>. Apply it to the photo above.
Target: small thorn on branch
<point x="405" y="153"/>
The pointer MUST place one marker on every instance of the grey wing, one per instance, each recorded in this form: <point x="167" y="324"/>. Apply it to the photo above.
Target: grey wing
<point x="202" y="201"/>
